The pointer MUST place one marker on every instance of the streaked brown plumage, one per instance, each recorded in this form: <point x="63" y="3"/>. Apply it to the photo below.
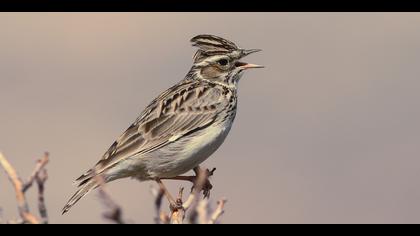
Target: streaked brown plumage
<point x="181" y="127"/>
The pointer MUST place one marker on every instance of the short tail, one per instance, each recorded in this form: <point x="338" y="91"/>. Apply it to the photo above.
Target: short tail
<point x="84" y="188"/>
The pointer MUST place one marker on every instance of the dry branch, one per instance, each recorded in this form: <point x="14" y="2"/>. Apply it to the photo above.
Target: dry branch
<point x="218" y="212"/>
<point x="160" y="216"/>
<point x="114" y="212"/>
<point x="38" y="168"/>
<point x="41" y="178"/>
<point x="193" y="208"/>
<point x="21" y="187"/>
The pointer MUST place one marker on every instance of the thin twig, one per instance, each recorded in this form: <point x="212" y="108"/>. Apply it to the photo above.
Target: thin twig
<point x="198" y="186"/>
<point x="168" y="195"/>
<point x="218" y="212"/>
<point x="199" y="209"/>
<point x="202" y="211"/>
<point x="160" y="216"/>
<point x="40" y="179"/>
<point x="115" y="212"/>
<point x="39" y="166"/>
<point x="18" y="185"/>
<point x="178" y="214"/>
<point x="178" y="211"/>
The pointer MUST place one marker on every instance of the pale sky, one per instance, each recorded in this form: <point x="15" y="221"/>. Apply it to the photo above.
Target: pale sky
<point x="328" y="132"/>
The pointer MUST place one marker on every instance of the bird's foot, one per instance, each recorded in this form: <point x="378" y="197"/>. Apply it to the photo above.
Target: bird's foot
<point x="204" y="182"/>
<point x="199" y="182"/>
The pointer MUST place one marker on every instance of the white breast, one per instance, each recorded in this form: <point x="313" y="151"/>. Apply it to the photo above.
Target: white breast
<point x="204" y="144"/>
<point x="186" y="153"/>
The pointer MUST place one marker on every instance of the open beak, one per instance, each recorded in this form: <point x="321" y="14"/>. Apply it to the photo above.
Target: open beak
<point x="244" y="65"/>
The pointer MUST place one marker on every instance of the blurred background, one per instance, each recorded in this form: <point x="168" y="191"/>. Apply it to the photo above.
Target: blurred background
<point x="328" y="132"/>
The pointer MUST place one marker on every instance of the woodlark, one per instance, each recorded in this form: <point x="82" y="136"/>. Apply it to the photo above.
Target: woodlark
<point x="183" y="126"/>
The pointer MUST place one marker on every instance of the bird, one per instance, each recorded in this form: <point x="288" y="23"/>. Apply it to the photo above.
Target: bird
<point x="181" y="127"/>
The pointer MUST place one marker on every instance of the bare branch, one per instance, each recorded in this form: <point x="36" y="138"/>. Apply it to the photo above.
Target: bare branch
<point x="166" y="192"/>
<point x="39" y="166"/>
<point x="161" y="217"/>
<point x="202" y="211"/>
<point x="20" y="196"/>
<point x="178" y="211"/>
<point x="115" y="212"/>
<point x="218" y="212"/>
<point x="198" y="186"/>
<point x="164" y="218"/>
<point x="40" y="179"/>
<point x="40" y="176"/>
<point x="197" y="209"/>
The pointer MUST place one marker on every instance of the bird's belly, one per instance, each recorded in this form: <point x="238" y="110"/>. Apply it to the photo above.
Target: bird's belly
<point x="186" y="153"/>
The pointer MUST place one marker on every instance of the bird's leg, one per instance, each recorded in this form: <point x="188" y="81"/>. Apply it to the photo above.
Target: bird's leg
<point x="206" y="186"/>
<point x="171" y="200"/>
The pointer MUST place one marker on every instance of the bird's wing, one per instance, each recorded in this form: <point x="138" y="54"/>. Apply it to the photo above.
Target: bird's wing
<point x="180" y="111"/>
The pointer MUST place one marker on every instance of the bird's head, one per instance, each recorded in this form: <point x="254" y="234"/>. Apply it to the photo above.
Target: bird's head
<point x="219" y="60"/>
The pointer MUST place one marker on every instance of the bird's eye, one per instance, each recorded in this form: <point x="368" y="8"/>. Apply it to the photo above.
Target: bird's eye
<point x="222" y="62"/>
